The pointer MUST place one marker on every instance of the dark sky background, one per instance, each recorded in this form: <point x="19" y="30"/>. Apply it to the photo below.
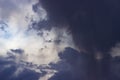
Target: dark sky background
<point x="94" y="26"/>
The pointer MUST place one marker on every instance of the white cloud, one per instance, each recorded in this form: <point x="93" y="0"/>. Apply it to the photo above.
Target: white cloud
<point x="115" y="51"/>
<point x="49" y="74"/>
<point x="17" y="14"/>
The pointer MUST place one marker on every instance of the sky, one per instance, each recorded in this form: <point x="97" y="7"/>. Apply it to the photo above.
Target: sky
<point x="59" y="40"/>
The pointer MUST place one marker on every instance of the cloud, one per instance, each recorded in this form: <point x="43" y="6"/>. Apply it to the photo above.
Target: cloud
<point x="90" y="23"/>
<point x="94" y="26"/>
<point x="12" y="71"/>
<point x="115" y="64"/>
<point x="74" y="65"/>
<point x="35" y="34"/>
<point x="28" y="43"/>
<point x="115" y="51"/>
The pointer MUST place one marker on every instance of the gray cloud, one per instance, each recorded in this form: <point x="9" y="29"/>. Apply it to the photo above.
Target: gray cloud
<point x="7" y="8"/>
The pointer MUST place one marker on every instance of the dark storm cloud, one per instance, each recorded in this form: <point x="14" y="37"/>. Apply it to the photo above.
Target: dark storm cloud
<point x="8" y="70"/>
<point x="115" y="68"/>
<point x="95" y="28"/>
<point x="94" y="24"/>
<point x="74" y="66"/>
